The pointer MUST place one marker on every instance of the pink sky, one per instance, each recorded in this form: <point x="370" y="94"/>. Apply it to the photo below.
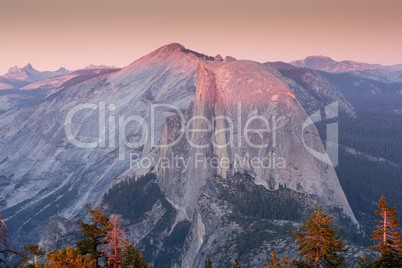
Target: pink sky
<point x="75" y="33"/>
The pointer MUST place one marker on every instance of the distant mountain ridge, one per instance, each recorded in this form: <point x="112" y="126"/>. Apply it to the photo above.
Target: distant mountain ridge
<point x="393" y="68"/>
<point x="28" y="73"/>
<point x="360" y="69"/>
<point x="326" y="64"/>
<point x="23" y="86"/>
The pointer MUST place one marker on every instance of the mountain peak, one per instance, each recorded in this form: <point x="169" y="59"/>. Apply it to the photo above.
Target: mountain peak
<point x="326" y="64"/>
<point x="174" y="45"/>
<point x="170" y="48"/>
<point x="96" y="67"/>
<point x="314" y="62"/>
<point x="218" y="58"/>
<point x="321" y="57"/>
<point x="29" y="67"/>
<point x="29" y="74"/>
<point x="229" y="59"/>
<point x="178" y="48"/>
<point x="13" y="69"/>
<point x="175" y="55"/>
<point x="16" y="73"/>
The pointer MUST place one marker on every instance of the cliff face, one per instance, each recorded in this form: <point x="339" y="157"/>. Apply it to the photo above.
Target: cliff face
<point x="59" y="232"/>
<point x="243" y="120"/>
<point x="254" y="121"/>
<point x="311" y="89"/>
<point x="45" y="174"/>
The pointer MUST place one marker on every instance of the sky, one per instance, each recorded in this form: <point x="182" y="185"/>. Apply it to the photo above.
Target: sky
<point x="76" y="33"/>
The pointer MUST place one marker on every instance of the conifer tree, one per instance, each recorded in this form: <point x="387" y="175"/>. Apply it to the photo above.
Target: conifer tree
<point x="287" y="262"/>
<point x="208" y="263"/>
<point x="274" y="262"/>
<point x="31" y="256"/>
<point x="116" y="243"/>
<point x="364" y="261"/>
<point x="237" y="264"/>
<point x="390" y="241"/>
<point x="133" y="258"/>
<point x="318" y="244"/>
<point x="68" y="258"/>
<point x="93" y="234"/>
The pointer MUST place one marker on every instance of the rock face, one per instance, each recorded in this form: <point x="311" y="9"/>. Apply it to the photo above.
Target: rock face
<point x="16" y="74"/>
<point x="311" y="89"/>
<point x="230" y="98"/>
<point x="229" y="58"/>
<point x="234" y="97"/>
<point x="59" y="232"/>
<point x="46" y="174"/>
<point x="218" y="58"/>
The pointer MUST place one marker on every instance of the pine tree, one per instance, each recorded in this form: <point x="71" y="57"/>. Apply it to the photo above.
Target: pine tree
<point x="364" y="261"/>
<point x="31" y="256"/>
<point x="237" y="264"/>
<point x="116" y="243"/>
<point x="208" y="263"/>
<point x="133" y="258"/>
<point x="318" y="244"/>
<point x="390" y="241"/>
<point x="93" y="234"/>
<point x="274" y="262"/>
<point x="287" y="262"/>
<point x="68" y="258"/>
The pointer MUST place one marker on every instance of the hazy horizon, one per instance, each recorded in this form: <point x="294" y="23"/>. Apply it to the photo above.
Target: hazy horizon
<point x="74" y="34"/>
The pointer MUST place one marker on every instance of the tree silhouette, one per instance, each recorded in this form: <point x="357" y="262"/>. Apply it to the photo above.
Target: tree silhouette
<point x="364" y="261"/>
<point x="390" y="242"/>
<point x="318" y="244"/>
<point x="274" y="262"/>
<point x="94" y="234"/>
<point x="31" y="256"/>
<point x="237" y="264"/>
<point x="116" y="243"/>
<point x="208" y="263"/>
<point x="133" y="258"/>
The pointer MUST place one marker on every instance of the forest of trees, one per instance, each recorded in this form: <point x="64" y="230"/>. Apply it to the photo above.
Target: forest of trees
<point x="104" y="244"/>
